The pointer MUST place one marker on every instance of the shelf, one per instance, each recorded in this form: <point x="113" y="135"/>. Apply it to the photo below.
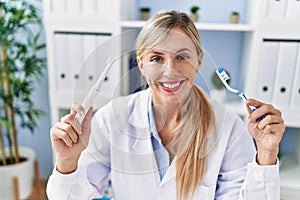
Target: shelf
<point x="200" y="26"/>
<point x="290" y="173"/>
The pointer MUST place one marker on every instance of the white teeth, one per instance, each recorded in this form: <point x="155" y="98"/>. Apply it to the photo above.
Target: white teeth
<point x="171" y="85"/>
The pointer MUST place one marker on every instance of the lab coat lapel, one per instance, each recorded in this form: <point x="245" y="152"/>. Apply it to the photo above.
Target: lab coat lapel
<point x="170" y="174"/>
<point x="138" y="118"/>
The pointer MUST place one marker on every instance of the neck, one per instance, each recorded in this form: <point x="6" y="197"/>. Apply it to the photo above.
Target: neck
<point x="167" y="117"/>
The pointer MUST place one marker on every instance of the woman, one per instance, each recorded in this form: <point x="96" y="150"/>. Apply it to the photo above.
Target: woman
<point x="169" y="141"/>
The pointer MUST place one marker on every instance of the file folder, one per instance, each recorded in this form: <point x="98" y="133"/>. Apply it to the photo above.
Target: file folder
<point x="285" y="73"/>
<point x="89" y="6"/>
<point x="267" y="70"/>
<point x="90" y="63"/>
<point x="276" y="9"/>
<point x="75" y="55"/>
<point x="104" y="8"/>
<point x="103" y="56"/>
<point x="295" y="101"/>
<point x="73" y="6"/>
<point x="59" y="6"/>
<point x="63" y="75"/>
<point x="293" y="9"/>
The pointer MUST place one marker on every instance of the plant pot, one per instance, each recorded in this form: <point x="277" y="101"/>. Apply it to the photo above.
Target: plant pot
<point x="218" y="95"/>
<point x="194" y="17"/>
<point x="234" y="19"/>
<point x="145" y="15"/>
<point x="25" y="173"/>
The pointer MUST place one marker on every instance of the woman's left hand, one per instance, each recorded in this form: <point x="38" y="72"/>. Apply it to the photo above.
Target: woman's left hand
<point x="267" y="132"/>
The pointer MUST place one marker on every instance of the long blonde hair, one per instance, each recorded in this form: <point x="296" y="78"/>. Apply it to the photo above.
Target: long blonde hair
<point x="190" y="136"/>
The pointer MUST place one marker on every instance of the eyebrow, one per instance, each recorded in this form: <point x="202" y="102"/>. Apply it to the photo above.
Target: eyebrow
<point x="178" y="51"/>
<point x="156" y="52"/>
<point x="183" y="49"/>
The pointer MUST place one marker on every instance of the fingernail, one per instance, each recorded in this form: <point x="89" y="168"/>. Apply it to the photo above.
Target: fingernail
<point x="81" y="113"/>
<point x="249" y="120"/>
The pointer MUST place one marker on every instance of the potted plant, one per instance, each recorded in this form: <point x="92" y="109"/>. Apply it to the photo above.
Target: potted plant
<point x="145" y="11"/>
<point x="20" y="67"/>
<point x="234" y="17"/>
<point x="218" y="92"/>
<point x="194" y="15"/>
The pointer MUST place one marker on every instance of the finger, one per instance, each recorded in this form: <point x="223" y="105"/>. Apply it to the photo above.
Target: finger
<point x="57" y="134"/>
<point x="76" y="108"/>
<point x="254" y="102"/>
<point x="87" y="118"/>
<point x="71" y="119"/>
<point x="252" y="105"/>
<point x="264" y="110"/>
<point x="275" y="129"/>
<point x="270" y="119"/>
<point x="69" y="130"/>
<point x="89" y="115"/>
<point x="259" y="105"/>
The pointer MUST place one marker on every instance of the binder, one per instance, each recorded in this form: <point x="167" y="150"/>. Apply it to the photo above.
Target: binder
<point x="89" y="67"/>
<point x="62" y="66"/>
<point x="73" y="6"/>
<point x="285" y="71"/>
<point x="293" y="9"/>
<point x="295" y="101"/>
<point x="276" y="9"/>
<point x="59" y="6"/>
<point x="104" y="7"/>
<point x="75" y="56"/>
<point x="106" y="52"/>
<point x="89" y="6"/>
<point x="267" y="70"/>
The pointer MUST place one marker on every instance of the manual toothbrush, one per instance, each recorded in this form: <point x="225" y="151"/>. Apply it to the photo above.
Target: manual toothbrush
<point x="224" y="77"/>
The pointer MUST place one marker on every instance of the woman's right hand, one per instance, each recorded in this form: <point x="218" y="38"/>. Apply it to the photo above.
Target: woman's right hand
<point x="69" y="138"/>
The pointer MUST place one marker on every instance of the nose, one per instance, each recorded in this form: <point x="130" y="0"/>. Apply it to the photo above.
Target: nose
<point x="170" y="68"/>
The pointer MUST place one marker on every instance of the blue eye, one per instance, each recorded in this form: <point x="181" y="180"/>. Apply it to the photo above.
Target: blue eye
<point x="182" y="57"/>
<point x="155" y="59"/>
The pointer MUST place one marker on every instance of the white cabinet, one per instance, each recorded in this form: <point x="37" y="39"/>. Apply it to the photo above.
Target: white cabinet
<point x="74" y="30"/>
<point x="270" y="35"/>
<point x="271" y="67"/>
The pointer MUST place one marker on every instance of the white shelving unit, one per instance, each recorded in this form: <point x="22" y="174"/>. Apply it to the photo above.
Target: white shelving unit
<point x="276" y="22"/>
<point x="200" y="26"/>
<point x="267" y="19"/>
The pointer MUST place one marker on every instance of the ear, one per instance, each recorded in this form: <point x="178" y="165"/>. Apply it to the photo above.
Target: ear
<point x="199" y="62"/>
<point x="140" y="64"/>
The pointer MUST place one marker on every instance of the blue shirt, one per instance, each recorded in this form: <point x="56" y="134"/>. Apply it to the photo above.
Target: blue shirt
<point x="161" y="154"/>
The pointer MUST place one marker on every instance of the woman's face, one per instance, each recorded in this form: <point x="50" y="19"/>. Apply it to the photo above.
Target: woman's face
<point x="170" y="67"/>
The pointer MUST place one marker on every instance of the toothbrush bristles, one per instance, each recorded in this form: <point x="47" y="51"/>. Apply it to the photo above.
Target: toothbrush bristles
<point x="225" y="76"/>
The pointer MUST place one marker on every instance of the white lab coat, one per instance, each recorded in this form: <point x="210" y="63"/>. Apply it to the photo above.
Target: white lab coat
<point x="120" y="147"/>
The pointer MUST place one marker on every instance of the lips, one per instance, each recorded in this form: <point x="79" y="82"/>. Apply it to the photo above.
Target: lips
<point x="171" y="86"/>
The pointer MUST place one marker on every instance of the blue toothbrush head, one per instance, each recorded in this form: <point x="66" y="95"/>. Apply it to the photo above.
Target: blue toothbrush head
<point x="224" y="75"/>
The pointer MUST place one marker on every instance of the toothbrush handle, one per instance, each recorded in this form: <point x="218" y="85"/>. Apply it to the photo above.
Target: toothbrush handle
<point x="86" y="104"/>
<point x="252" y="108"/>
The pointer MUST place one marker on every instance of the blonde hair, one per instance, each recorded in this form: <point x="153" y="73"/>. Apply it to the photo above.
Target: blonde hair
<point x="190" y="136"/>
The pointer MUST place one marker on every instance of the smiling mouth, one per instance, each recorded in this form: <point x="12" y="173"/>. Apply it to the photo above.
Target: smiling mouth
<point x="171" y="86"/>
